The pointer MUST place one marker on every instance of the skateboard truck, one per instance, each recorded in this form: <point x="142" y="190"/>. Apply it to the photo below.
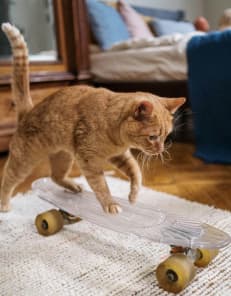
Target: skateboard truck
<point x="68" y="218"/>
<point x="173" y="274"/>
<point x="178" y="270"/>
<point x="52" y="221"/>
<point x="201" y="257"/>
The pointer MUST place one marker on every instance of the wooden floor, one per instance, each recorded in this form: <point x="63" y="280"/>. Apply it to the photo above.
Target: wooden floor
<point x="184" y="176"/>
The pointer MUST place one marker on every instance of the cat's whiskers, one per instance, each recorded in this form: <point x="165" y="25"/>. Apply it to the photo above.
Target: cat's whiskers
<point x="182" y="113"/>
<point x="178" y="117"/>
<point x="177" y="126"/>
<point x="166" y="150"/>
<point x="168" y="155"/>
<point x="139" y="156"/>
<point x="162" y="157"/>
<point x="144" y="160"/>
<point x="140" y="159"/>
<point x="148" y="158"/>
<point x="168" y="145"/>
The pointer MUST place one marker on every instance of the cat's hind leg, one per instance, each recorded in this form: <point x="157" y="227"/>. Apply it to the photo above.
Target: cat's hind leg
<point x="17" y="168"/>
<point x="61" y="164"/>
<point x="127" y="164"/>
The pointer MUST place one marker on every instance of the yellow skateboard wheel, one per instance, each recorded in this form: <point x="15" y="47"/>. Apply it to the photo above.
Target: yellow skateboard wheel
<point x="175" y="273"/>
<point x="205" y="257"/>
<point x="49" y="222"/>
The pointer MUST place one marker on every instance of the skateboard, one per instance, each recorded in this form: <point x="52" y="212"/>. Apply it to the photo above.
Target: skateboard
<point x="192" y="243"/>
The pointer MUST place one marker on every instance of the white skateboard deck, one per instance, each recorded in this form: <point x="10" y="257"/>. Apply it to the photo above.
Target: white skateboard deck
<point x="138" y="219"/>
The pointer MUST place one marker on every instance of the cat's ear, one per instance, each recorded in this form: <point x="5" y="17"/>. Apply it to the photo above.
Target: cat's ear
<point x="172" y="104"/>
<point x="143" y="110"/>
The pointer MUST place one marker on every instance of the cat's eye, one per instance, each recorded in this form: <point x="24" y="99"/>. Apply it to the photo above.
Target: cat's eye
<point x="153" y="138"/>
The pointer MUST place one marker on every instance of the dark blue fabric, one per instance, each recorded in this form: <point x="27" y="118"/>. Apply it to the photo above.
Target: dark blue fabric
<point x="209" y="72"/>
<point x="175" y="15"/>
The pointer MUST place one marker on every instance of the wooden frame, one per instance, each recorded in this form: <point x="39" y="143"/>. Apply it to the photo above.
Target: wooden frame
<point x="72" y="66"/>
<point x="73" y="62"/>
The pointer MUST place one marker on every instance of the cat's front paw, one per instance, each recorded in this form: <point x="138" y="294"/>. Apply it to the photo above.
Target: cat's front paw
<point x="76" y="188"/>
<point x="5" y="208"/>
<point x="72" y="186"/>
<point x="112" y="208"/>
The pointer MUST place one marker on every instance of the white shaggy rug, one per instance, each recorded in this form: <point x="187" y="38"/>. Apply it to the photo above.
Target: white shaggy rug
<point x="85" y="259"/>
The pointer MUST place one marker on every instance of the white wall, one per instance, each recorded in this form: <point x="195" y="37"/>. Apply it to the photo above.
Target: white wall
<point x="213" y="9"/>
<point x="193" y="8"/>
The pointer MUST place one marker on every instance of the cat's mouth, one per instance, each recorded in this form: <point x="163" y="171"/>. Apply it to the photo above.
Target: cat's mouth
<point x="154" y="152"/>
<point x="151" y="153"/>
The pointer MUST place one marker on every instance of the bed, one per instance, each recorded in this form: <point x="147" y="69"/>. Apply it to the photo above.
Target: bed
<point x="143" y="60"/>
<point x="107" y="68"/>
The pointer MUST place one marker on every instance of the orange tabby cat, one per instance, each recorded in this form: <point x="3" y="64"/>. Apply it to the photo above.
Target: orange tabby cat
<point x="91" y="125"/>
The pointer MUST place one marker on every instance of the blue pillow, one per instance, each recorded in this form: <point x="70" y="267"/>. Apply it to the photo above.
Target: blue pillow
<point x="175" y="15"/>
<point x="168" y="27"/>
<point x="106" y="23"/>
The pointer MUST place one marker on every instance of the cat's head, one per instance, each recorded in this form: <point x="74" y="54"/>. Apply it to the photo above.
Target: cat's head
<point x="150" y="122"/>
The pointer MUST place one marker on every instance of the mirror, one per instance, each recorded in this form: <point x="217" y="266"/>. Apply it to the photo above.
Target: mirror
<point x="35" y="20"/>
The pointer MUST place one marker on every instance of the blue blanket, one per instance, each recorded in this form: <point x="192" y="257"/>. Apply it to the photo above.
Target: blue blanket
<point x="209" y="70"/>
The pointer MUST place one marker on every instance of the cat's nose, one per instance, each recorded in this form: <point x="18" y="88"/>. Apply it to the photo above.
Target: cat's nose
<point x="159" y="147"/>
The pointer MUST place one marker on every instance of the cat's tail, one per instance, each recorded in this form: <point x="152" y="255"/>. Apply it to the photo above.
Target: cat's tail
<point x="20" y="79"/>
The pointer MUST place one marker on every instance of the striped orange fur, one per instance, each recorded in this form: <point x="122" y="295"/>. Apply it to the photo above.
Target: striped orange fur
<point x="20" y="79"/>
<point x="94" y="126"/>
